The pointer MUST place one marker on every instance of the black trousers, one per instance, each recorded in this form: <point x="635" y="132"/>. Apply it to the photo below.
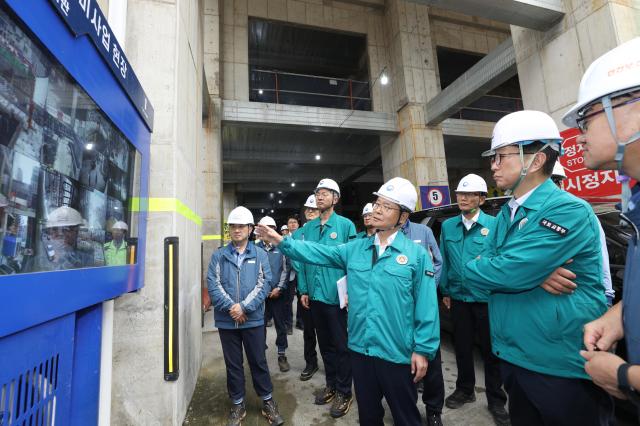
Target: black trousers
<point x="471" y="319"/>
<point x="331" y="329"/>
<point x="375" y="378"/>
<point x="309" y="335"/>
<point x="433" y="393"/>
<point x="252" y="339"/>
<point x="539" y="399"/>
<point x="289" y="293"/>
<point x="276" y="309"/>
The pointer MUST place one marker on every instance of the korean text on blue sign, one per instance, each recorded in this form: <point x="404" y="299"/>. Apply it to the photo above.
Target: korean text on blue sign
<point x="434" y="196"/>
<point x="86" y="17"/>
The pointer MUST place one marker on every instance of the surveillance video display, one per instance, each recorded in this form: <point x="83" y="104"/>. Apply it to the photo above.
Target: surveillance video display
<point x="65" y="168"/>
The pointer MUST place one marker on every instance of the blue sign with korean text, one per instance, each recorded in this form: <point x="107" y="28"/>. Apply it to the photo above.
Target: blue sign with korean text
<point x="434" y="196"/>
<point x="85" y="17"/>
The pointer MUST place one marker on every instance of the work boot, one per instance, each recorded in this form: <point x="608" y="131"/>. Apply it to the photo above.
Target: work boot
<point x="299" y="325"/>
<point x="458" y="398"/>
<point x="270" y="412"/>
<point x="325" y="396"/>
<point x="270" y="323"/>
<point x="433" y="418"/>
<point x="500" y="415"/>
<point x="341" y="405"/>
<point x="308" y="372"/>
<point x="283" y="363"/>
<point x="290" y="330"/>
<point x="237" y="414"/>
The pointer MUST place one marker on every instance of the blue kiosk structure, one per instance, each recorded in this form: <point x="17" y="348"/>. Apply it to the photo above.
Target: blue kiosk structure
<point x="75" y="129"/>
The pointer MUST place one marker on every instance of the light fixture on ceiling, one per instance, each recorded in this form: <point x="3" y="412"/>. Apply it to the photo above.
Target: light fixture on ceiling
<point x="271" y="210"/>
<point x="260" y="92"/>
<point x="384" y="79"/>
<point x="279" y="201"/>
<point x="271" y="195"/>
<point x="262" y="211"/>
<point x="318" y="157"/>
<point x="279" y="192"/>
<point x="293" y="184"/>
<point x="89" y="146"/>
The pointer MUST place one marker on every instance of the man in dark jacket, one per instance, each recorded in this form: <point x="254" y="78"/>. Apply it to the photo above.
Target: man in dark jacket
<point x="238" y="282"/>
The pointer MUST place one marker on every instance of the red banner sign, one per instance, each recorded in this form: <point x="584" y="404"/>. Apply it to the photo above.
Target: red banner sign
<point x="591" y="185"/>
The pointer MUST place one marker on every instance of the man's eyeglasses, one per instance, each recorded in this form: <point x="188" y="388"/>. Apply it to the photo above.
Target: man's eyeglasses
<point x="583" y="122"/>
<point x="385" y="208"/>
<point x="497" y="158"/>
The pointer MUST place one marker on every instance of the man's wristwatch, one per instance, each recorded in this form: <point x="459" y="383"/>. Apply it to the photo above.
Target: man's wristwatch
<point x="625" y="386"/>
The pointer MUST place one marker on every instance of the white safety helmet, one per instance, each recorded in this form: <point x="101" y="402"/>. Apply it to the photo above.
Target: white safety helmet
<point x="523" y="128"/>
<point x="368" y="209"/>
<point x="615" y="72"/>
<point x="284" y="228"/>
<point x="267" y="221"/>
<point x="120" y="225"/>
<point x="558" y="171"/>
<point x="63" y="216"/>
<point x="311" y="202"/>
<point x="472" y="183"/>
<point x="329" y="184"/>
<point x="400" y="191"/>
<point x="240" y="216"/>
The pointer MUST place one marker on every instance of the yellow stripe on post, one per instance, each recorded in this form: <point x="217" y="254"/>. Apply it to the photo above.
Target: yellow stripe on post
<point x="154" y="204"/>
<point x="211" y="237"/>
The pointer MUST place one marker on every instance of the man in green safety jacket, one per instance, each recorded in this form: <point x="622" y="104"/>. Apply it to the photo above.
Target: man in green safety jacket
<point x="115" y="251"/>
<point x="537" y="334"/>
<point x="319" y="293"/>
<point x="462" y="239"/>
<point x="394" y="328"/>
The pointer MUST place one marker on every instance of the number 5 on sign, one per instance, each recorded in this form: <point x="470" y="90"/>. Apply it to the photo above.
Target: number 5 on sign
<point x="434" y="196"/>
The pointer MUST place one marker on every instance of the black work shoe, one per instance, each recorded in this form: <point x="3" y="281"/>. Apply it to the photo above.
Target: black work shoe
<point x="433" y="418"/>
<point x="237" y="414"/>
<point x="270" y="412"/>
<point x="299" y="326"/>
<point x="283" y="363"/>
<point x="308" y="372"/>
<point x="289" y="331"/>
<point x="458" y="398"/>
<point x="270" y="323"/>
<point x="500" y="415"/>
<point x="325" y="396"/>
<point x="341" y="405"/>
<point x="420" y="386"/>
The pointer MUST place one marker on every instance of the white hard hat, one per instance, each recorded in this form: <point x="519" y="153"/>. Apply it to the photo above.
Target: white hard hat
<point x="329" y="184"/>
<point x="558" y="171"/>
<point x="63" y="216"/>
<point x="284" y="228"/>
<point x="240" y="216"/>
<point x="524" y="127"/>
<point x="615" y="72"/>
<point x="400" y="191"/>
<point x="267" y="221"/>
<point x="311" y="202"/>
<point x="368" y="209"/>
<point x="120" y="225"/>
<point x="472" y="183"/>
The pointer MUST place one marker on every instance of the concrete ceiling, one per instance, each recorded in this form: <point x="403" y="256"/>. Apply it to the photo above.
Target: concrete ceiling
<point x="535" y="14"/>
<point x="259" y="162"/>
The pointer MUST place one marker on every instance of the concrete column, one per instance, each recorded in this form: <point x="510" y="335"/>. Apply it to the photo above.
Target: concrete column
<point x="417" y="153"/>
<point x="588" y="30"/>
<point x="164" y="45"/>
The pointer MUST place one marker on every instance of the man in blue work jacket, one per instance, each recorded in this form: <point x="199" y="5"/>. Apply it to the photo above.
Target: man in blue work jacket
<point x="275" y="303"/>
<point x="538" y="335"/>
<point x="432" y="386"/>
<point x="308" y="328"/>
<point x="394" y="327"/>
<point x="608" y="116"/>
<point x="320" y="294"/>
<point x="463" y="238"/>
<point x="238" y="282"/>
